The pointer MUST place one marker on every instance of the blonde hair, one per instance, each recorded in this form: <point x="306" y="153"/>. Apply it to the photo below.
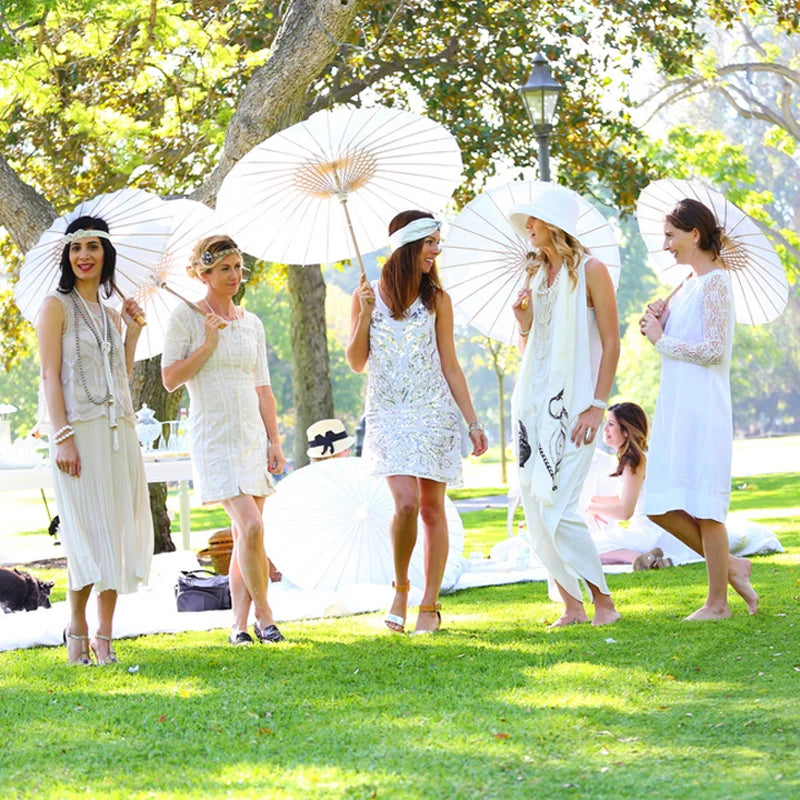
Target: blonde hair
<point x="214" y="247"/>
<point x="568" y="247"/>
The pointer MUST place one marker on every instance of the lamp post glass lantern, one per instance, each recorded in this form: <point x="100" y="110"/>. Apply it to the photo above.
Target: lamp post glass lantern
<point x="540" y="95"/>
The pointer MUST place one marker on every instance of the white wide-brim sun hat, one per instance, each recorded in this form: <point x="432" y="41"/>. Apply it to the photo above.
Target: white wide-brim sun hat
<point x="555" y="205"/>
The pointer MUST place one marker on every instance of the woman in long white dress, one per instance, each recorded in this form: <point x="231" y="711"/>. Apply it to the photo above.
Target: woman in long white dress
<point x="402" y="326"/>
<point x="101" y="490"/>
<point x="690" y="453"/>
<point x="569" y="339"/>
<point x="233" y="427"/>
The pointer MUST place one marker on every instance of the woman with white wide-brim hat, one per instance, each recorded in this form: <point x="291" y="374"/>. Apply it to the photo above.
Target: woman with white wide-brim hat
<point x="569" y="340"/>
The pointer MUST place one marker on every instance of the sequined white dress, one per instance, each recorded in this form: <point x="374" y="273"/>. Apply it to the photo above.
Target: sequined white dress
<point x="228" y="440"/>
<point x="411" y="418"/>
<point x="106" y="526"/>
<point x="689" y="461"/>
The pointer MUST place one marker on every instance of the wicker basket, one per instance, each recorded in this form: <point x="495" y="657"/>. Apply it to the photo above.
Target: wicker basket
<point x="220" y="547"/>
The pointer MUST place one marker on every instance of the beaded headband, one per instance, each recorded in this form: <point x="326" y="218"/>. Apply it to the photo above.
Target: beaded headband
<point x="83" y="234"/>
<point x="207" y="259"/>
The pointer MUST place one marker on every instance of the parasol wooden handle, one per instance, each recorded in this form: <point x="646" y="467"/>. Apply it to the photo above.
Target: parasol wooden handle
<point x="162" y="284"/>
<point x="670" y="296"/>
<point x="524" y="304"/>
<point x="343" y="201"/>
<point x="140" y="320"/>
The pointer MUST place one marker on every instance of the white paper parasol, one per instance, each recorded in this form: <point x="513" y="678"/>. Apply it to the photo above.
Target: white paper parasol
<point x="760" y="288"/>
<point x="138" y="224"/>
<point x="189" y="221"/>
<point x="485" y="261"/>
<point x="327" y="526"/>
<point x="292" y="198"/>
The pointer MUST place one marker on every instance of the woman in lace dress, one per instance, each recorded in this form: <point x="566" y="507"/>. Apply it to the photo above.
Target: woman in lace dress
<point x="233" y="428"/>
<point x="690" y="455"/>
<point x="569" y="339"/>
<point x="402" y="326"/>
<point x="100" y="485"/>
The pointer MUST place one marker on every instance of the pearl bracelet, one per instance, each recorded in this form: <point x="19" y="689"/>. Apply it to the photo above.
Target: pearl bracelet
<point x="66" y="428"/>
<point x="63" y="434"/>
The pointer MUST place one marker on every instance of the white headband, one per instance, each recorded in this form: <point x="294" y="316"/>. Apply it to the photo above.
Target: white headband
<point x="82" y="234"/>
<point x="415" y="230"/>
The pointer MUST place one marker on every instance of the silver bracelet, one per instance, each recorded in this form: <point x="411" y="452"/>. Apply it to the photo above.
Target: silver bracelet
<point x="601" y="404"/>
<point x="476" y="426"/>
<point x="523" y="334"/>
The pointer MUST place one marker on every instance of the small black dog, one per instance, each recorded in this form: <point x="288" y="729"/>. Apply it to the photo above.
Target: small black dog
<point x="20" y="591"/>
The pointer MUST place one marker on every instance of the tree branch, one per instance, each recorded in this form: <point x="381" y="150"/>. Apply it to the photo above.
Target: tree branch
<point x="275" y="95"/>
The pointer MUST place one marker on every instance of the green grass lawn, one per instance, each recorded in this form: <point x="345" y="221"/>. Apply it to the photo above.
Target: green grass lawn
<point x="494" y="706"/>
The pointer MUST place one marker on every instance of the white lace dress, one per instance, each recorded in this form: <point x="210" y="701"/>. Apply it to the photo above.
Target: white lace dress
<point x="411" y="417"/>
<point x="226" y="432"/>
<point x="689" y="461"/>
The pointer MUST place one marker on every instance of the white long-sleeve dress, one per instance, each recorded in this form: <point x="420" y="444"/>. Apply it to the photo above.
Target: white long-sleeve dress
<point x="689" y="461"/>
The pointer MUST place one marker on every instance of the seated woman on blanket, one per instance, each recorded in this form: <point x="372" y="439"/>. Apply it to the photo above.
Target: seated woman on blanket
<point x="643" y="543"/>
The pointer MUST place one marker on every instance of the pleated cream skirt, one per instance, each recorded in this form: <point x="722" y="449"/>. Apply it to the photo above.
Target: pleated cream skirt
<point x="105" y="522"/>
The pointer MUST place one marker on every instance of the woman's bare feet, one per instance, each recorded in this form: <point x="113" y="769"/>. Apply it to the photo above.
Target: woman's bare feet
<point x="739" y="572"/>
<point x="709" y="612"/>
<point x="570" y="618"/>
<point x="605" y="612"/>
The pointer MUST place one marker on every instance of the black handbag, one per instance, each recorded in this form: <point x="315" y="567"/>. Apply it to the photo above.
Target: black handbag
<point x="202" y="590"/>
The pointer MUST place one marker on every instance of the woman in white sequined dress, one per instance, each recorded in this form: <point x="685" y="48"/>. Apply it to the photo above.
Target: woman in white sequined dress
<point x="101" y="490"/>
<point x="569" y="339"/>
<point x="688" y="489"/>
<point x="233" y="427"/>
<point x="402" y="327"/>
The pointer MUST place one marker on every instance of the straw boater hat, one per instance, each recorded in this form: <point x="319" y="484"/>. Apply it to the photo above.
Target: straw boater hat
<point x="327" y="438"/>
<point x="555" y="205"/>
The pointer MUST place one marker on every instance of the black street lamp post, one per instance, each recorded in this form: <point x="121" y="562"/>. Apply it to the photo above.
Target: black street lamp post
<point x="540" y="95"/>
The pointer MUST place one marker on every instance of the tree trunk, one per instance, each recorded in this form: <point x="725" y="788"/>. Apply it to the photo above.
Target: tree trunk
<point x="146" y="387"/>
<point x="310" y="375"/>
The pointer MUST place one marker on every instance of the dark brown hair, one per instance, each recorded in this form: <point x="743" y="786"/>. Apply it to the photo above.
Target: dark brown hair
<point x="401" y="277"/>
<point x="66" y="281"/>
<point x="633" y="423"/>
<point x="689" y="214"/>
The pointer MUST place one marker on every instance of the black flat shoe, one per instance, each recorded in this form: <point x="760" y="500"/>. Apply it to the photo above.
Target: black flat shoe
<point x="270" y="634"/>
<point x="240" y="637"/>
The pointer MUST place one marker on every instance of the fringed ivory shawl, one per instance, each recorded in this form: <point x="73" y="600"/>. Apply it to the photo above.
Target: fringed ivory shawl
<point x="544" y="415"/>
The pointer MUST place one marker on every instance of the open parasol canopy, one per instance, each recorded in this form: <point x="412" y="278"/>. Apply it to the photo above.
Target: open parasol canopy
<point x="138" y="223"/>
<point x="485" y="261"/>
<point x="760" y="288"/>
<point x="327" y="526"/>
<point x="326" y="189"/>
<point x="189" y="222"/>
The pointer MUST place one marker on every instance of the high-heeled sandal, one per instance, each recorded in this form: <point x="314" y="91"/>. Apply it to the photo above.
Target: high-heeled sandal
<point x="111" y="657"/>
<point x="396" y="619"/>
<point x="433" y="608"/>
<point x="83" y="659"/>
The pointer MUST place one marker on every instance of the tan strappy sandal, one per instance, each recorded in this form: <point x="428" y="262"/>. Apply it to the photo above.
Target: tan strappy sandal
<point x="111" y="658"/>
<point x="83" y="659"/>
<point x="396" y="619"/>
<point x="434" y="608"/>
